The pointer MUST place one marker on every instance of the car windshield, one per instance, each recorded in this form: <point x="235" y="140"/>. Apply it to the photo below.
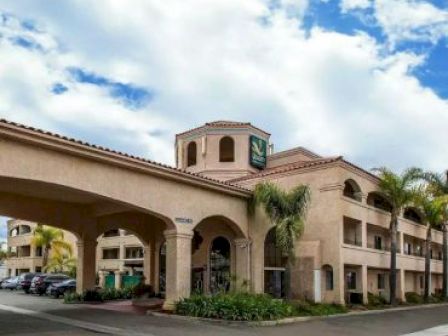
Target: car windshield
<point x="68" y="282"/>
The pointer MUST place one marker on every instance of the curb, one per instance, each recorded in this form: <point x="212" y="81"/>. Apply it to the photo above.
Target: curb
<point x="296" y="319"/>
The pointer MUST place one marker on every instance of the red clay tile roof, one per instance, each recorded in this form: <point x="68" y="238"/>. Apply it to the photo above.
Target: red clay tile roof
<point x="223" y="123"/>
<point x="288" y="167"/>
<point x="124" y="155"/>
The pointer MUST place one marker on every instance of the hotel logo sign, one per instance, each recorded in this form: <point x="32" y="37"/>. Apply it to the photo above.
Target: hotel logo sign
<point x="258" y="152"/>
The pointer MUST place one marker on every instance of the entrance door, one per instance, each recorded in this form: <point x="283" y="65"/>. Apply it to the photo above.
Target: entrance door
<point x="274" y="282"/>
<point x="220" y="266"/>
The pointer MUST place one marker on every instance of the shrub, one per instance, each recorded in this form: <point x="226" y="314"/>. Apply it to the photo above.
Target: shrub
<point x="142" y="290"/>
<point x="72" y="298"/>
<point x="376" y="300"/>
<point x="235" y="306"/>
<point x="92" y="296"/>
<point x="108" y="294"/>
<point x="303" y="308"/>
<point x="413" y="297"/>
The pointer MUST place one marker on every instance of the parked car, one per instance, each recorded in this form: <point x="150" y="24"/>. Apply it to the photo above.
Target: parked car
<point x="25" y="281"/>
<point x="4" y="280"/>
<point x="10" y="283"/>
<point x="58" y="289"/>
<point x="40" y="283"/>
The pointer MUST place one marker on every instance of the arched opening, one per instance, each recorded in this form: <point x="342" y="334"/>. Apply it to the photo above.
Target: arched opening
<point x="413" y="215"/>
<point x="191" y="154"/>
<point x="352" y="190"/>
<point x="219" y="265"/>
<point x="274" y="266"/>
<point x="327" y="271"/>
<point x="378" y="201"/>
<point x="226" y="150"/>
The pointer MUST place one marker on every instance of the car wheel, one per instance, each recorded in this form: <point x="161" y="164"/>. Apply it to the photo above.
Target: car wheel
<point x="27" y="291"/>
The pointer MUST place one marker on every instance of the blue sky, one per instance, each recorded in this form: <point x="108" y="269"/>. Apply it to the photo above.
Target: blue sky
<point x="366" y="79"/>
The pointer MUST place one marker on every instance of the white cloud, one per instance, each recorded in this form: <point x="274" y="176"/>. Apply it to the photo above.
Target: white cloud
<point x="349" y="5"/>
<point x="411" y="20"/>
<point x="206" y="59"/>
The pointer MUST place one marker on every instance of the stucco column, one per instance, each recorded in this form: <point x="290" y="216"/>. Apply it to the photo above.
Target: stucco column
<point x="401" y="242"/>
<point x="85" y="272"/>
<point x="364" y="279"/>
<point x="102" y="279"/>
<point x="401" y="285"/>
<point x="147" y="269"/>
<point x="242" y="267"/>
<point x="118" y="279"/>
<point x="178" y="266"/>
<point x="364" y="234"/>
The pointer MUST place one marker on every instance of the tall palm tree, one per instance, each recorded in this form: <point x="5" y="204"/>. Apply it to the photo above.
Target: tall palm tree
<point x="399" y="191"/>
<point x="433" y="210"/>
<point x="287" y="211"/>
<point x="438" y="186"/>
<point x="49" y="238"/>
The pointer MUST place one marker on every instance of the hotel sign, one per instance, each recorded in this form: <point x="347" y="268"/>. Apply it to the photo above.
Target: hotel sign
<point x="258" y="152"/>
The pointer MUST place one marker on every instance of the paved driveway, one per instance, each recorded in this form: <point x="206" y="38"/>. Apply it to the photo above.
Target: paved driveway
<point x="22" y="314"/>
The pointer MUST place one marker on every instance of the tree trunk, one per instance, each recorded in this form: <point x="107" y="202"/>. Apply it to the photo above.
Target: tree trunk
<point x="393" y="259"/>
<point x="45" y="252"/>
<point x="445" y="262"/>
<point x="427" y="263"/>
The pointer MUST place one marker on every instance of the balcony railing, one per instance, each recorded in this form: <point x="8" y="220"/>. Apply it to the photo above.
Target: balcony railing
<point x="381" y="248"/>
<point x="352" y="242"/>
<point x="415" y="253"/>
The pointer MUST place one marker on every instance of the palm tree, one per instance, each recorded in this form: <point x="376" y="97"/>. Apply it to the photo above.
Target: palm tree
<point x="287" y="211"/>
<point x="49" y="238"/>
<point x="433" y="210"/>
<point x="399" y="192"/>
<point x="438" y="186"/>
<point x="61" y="261"/>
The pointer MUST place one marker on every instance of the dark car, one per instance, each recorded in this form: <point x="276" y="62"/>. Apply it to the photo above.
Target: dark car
<point x="11" y="283"/>
<point x="40" y="283"/>
<point x="58" y="289"/>
<point x="25" y="281"/>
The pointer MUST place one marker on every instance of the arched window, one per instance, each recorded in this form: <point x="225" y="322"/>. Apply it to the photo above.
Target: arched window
<point x="352" y="190"/>
<point x="226" y="150"/>
<point x="327" y="271"/>
<point x="274" y="266"/>
<point x="14" y="232"/>
<point x="24" y="229"/>
<point x="377" y="201"/>
<point x="412" y="215"/>
<point x="220" y="265"/>
<point x="191" y="154"/>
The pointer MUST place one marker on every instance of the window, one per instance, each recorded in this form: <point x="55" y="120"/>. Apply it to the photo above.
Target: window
<point x="134" y="252"/>
<point x="111" y="253"/>
<point x="329" y="285"/>
<point x="381" y="281"/>
<point x="14" y="232"/>
<point x="38" y="269"/>
<point x="274" y="267"/>
<point x="191" y="154"/>
<point x="39" y="251"/>
<point x="352" y="190"/>
<point x="407" y="248"/>
<point x="226" y="150"/>
<point x="422" y="282"/>
<point x="351" y="280"/>
<point x="378" y="201"/>
<point x="412" y="215"/>
<point x="378" y="243"/>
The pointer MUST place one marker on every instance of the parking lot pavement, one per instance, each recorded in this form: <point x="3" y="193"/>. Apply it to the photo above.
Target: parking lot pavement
<point x="22" y="314"/>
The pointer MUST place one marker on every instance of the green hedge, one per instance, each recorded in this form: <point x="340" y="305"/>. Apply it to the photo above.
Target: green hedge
<point x="236" y="307"/>
<point x="108" y="294"/>
<point x="251" y="307"/>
